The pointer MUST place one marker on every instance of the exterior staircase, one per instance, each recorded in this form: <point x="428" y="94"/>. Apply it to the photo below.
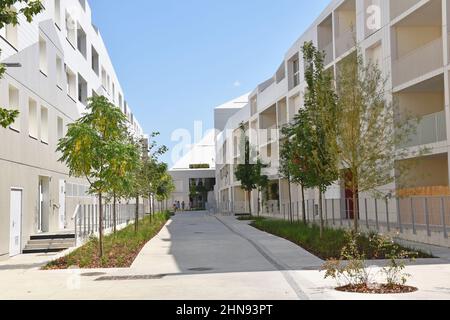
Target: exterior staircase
<point x="50" y="242"/>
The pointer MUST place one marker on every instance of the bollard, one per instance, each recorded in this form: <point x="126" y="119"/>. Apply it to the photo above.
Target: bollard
<point x="444" y="227"/>
<point x="376" y="216"/>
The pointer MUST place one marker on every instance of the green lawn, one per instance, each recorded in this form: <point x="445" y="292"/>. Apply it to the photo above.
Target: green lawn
<point x="120" y="250"/>
<point x="308" y="237"/>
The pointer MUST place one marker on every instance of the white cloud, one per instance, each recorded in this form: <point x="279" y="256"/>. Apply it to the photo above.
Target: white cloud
<point x="237" y="83"/>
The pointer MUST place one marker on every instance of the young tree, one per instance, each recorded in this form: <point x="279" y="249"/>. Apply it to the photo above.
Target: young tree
<point x="286" y="171"/>
<point x="248" y="173"/>
<point x="9" y="16"/>
<point x="262" y="181"/>
<point x="94" y="148"/>
<point x="165" y="187"/>
<point x="370" y="129"/>
<point x="316" y="152"/>
<point x="122" y="179"/>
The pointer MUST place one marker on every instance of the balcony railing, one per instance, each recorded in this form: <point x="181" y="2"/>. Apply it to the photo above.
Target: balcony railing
<point x="418" y="62"/>
<point x="431" y="128"/>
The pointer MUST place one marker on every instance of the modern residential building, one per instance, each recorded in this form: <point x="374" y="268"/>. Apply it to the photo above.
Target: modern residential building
<point x="194" y="175"/>
<point x="64" y="61"/>
<point x="409" y="39"/>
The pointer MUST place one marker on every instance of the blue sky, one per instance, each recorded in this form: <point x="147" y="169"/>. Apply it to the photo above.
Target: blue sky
<point x="178" y="59"/>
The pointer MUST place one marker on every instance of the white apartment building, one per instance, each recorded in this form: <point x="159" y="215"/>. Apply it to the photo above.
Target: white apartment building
<point x="64" y="61"/>
<point x="409" y="39"/>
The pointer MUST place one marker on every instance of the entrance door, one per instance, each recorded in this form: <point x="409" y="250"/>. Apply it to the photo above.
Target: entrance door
<point x="350" y="214"/>
<point x="43" y="206"/>
<point x="15" y="243"/>
<point x="62" y="204"/>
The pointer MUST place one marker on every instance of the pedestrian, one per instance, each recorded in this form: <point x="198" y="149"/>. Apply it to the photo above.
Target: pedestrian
<point x="183" y="205"/>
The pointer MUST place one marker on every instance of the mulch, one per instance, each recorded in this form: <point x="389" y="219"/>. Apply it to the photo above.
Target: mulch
<point x="377" y="289"/>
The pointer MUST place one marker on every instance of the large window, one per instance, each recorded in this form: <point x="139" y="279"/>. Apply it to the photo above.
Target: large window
<point x="60" y="128"/>
<point x="82" y="41"/>
<point x="11" y="33"/>
<point x="59" y="72"/>
<point x="71" y="83"/>
<point x="82" y="90"/>
<point x="104" y="79"/>
<point x="71" y="27"/>
<point x="43" y="65"/>
<point x="14" y="105"/>
<point x="44" y="125"/>
<point x="33" y="126"/>
<point x="95" y="61"/>
<point x="296" y="71"/>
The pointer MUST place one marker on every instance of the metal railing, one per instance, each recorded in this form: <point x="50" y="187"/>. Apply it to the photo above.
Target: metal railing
<point x="418" y="217"/>
<point x="422" y="219"/>
<point x="86" y="218"/>
<point x="431" y="128"/>
<point x="418" y="62"/>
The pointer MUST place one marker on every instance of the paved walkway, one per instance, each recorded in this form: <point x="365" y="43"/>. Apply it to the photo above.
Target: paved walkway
<point x="201" y="256"/>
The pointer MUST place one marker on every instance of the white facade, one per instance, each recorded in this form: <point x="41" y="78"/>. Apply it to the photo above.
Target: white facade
<point x="183" y="173"/>
<point x="63" y="62"/>
<point x="410" y="42"/>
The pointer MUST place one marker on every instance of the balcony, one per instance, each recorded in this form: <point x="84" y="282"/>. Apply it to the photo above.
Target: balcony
<point x="418" y="62"/>
<point x="328" y="50"/>
<point x="398" y="7"/>
<point x="345" y="41"/>
<point x="431" y="128"/>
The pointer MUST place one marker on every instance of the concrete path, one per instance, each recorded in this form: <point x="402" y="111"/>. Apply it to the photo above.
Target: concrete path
<point x="201" y="256"/>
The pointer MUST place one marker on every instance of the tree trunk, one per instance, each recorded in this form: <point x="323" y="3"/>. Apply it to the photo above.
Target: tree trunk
<point x="136" y="215"/>
<point x="100" y="225"/>
<point x="355" y="209"/>
<point x="291" y="217"/>
<point x="303" y="205"/>
<point x="249" y="195"/>
<point x="259" y="202"/>
<point x="321" y="214"/>
<point x="114" y="213"/>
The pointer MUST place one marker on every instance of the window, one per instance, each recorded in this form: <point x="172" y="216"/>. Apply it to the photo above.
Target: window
<point x="83" y="4"/>
<point x="71" y="83"/>
<point x="14" y="105"/>
<point x="57" y="16"/>
<point x="81" y="41"/>
<point x="44" y="125"/>
<point x="59" y="72"/>
<point x="71" y="27"/>
<point x="11" y="33"/>
<point x="296" y="71"/>
<point x="104" y="79"/>
<point x="60" y="128"/>
<point x="43" y="65"/>
<point x="95" y="61"/>
<point x="113" y="92"/>
<point x="82" y="90"/>
<point x="120" y="101"/>
<point x="108" y="84"/>
<point x="33" y="128"/>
